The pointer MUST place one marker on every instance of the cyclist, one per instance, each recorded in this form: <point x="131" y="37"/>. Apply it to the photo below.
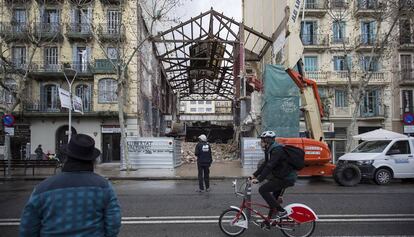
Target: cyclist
<point x="282" y="175"/>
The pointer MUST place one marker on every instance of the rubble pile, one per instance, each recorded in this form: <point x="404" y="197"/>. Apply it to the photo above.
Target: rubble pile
<point x="219" y="152"/>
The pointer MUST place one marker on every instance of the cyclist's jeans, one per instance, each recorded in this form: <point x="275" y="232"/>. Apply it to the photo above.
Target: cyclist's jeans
<point x="276" y="186"/>
<point x="203" y="176"/>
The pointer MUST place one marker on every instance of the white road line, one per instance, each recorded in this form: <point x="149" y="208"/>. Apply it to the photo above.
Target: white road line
<point x="214" y="219"/>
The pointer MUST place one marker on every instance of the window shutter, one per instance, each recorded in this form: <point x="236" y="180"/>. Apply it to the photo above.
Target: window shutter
<point x="75" y="56"/>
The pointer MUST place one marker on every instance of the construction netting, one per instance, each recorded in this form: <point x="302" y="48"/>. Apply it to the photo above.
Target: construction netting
<point x="280" y="110"/>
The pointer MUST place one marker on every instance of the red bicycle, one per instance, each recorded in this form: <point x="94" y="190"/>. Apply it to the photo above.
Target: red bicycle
<point x="299" y="222"/>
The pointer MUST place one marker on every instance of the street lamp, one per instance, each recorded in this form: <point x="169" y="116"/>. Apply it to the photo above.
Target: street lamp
<point x="70" y="82"/>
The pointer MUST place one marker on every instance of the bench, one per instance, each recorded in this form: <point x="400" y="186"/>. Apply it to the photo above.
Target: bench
<point x="27" y="164"/>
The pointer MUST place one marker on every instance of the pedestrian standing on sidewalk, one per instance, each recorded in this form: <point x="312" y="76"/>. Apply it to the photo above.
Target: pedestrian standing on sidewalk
<point x="204" y="160"/>
<point x="39" y="152"/>
<point x="76" y="202"/>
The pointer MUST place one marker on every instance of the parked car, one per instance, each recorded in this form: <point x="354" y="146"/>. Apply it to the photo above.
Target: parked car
<point x="378" y="160"/>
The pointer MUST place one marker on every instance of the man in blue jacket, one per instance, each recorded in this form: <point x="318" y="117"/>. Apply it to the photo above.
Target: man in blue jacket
<point x="76" y="202"/>
<point x="204" y="160"/>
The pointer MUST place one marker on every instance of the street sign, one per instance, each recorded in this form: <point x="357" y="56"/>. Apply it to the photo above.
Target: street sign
<point x="408" y="128"/>
<point x="408" y="119"/>
<point x="9" y="131"/>
<point x="8" y="120"/>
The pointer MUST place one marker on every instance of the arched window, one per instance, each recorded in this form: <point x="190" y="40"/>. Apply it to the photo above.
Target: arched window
<point x="85" y="93"/>
<point x="107" y="90"/>
<point x="6" y="92"/>
<point x="49" y="98"/>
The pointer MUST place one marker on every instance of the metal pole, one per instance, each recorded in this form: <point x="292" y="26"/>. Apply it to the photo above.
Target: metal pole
<point x="70" y="101"/>
<point x="8" y="155"/>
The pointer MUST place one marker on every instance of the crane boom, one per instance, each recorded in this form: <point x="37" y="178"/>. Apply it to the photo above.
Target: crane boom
<point x="311" y="104"/>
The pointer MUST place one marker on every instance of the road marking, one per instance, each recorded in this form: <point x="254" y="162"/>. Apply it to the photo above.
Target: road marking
<point x="134" y="220"/>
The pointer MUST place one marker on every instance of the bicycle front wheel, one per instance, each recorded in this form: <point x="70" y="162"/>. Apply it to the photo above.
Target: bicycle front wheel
<point x="291" y="228"/>
<point x="232" y="222"/>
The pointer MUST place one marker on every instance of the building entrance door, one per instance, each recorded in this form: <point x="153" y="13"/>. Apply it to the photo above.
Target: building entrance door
<point x="111" y="147"/>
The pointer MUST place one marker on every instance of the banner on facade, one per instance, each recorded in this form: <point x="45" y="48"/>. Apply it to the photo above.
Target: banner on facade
<point x="77" y="104"/>
<point x="64" y="97"/>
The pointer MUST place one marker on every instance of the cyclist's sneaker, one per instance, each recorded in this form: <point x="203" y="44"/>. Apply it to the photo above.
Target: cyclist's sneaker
<point x="280" y="214"/>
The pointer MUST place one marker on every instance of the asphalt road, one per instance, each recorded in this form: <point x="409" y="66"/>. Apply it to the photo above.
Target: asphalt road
<point x="173" y="208"/>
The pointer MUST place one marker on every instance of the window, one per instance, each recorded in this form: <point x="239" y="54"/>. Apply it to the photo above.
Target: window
<point x="209" y="110"/>
<point x="112" y="52"/>
<point x="193" y="110"/>
<point x="405" y="31"/>
<point x="51" y="21"/>
<point x="107" y="91"/>
<point x="81" y="58"/>
<point x="407" y="101"/>
<point x="371" y="101"/>
<point x="49" y="98"/>
<point x="367" y="4"/>
<point x="51" y="59"/>
<point x="311" y="63"/>
<point x="85" y="93"/>
<point x="369" y="64"/>
<point x="341" y="99"/>
<point x="193" y="102"/>
<point x="114" y="21"/>
<point x="338" y="32"/>
<point x="208" y="102"/>
<point x="6" y="94"/>
<point x="403" y="147"/>
<point x="200" y="102"/>
<point x="368" y="32"/>
<point x="19" y="57"/>
<point x="406" y="67"/>
<point x="201" y="110"/>
<point x="308" y="32"/>
<point x="19" y="20"/>
<point x="340" y="64"/>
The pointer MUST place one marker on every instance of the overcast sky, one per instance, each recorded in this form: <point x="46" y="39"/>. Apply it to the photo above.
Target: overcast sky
<point x="230" y="8"/>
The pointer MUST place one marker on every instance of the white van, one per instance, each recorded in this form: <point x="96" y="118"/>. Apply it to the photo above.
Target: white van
<point x="380" y="160"/>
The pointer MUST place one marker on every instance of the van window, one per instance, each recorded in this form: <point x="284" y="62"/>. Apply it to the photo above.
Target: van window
<point x="371" y="146"/>
<point x="402" y="146"/>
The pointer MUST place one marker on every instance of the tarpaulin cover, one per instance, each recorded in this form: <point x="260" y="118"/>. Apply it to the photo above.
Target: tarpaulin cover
<point x="280" y="111"/>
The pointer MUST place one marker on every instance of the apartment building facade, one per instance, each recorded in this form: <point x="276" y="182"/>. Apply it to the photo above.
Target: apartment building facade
<point x="325" y="39"/>
<point x="50" y="40"/>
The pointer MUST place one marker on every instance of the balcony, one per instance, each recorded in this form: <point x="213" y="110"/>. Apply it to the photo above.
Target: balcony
<point x="366" y="8"/>
<point x="339" y="4"/>
<point x="49" y="31"/>
<point x="112" y="2"/>
<point x="111" y="33"/>
<point x="406" y="6"/>
<point x="372" y="112"/>
<point x="365" y="41"/>
<point x="104" y="66"/>
<point x="83" y="68"/>
<point x="315" y="41"/>
<point x="318" y="76"/>
<point x="14" y="31"/>
<point x="407" y="41"/>
<point x="316" y="8"/>
<point x="406" y="77"/>
<point x="79" y="31"/>
<point x="338" y="42"/>
<point x="46" y="70"/>
<point x="49" y="107"/>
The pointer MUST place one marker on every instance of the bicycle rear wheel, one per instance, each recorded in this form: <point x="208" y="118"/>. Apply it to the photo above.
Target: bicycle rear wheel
<point x="291" y="228"/>
<point x="231" y="222"/>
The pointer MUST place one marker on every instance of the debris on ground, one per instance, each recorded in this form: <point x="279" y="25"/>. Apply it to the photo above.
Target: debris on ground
<point x="219" y="151"/>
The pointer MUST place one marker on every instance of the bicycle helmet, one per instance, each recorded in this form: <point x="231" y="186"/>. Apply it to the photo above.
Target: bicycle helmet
<point x="268" y="134"/>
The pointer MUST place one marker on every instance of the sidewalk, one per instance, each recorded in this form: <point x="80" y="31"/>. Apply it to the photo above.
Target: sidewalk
<point x="218" y="170"/>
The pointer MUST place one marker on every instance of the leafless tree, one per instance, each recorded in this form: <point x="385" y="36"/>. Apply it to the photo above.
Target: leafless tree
<point x="136" y="16"/>
<point x="386" y="15"/>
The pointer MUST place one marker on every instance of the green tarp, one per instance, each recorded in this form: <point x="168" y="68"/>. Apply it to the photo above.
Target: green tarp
<point x="280" y="111"/>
